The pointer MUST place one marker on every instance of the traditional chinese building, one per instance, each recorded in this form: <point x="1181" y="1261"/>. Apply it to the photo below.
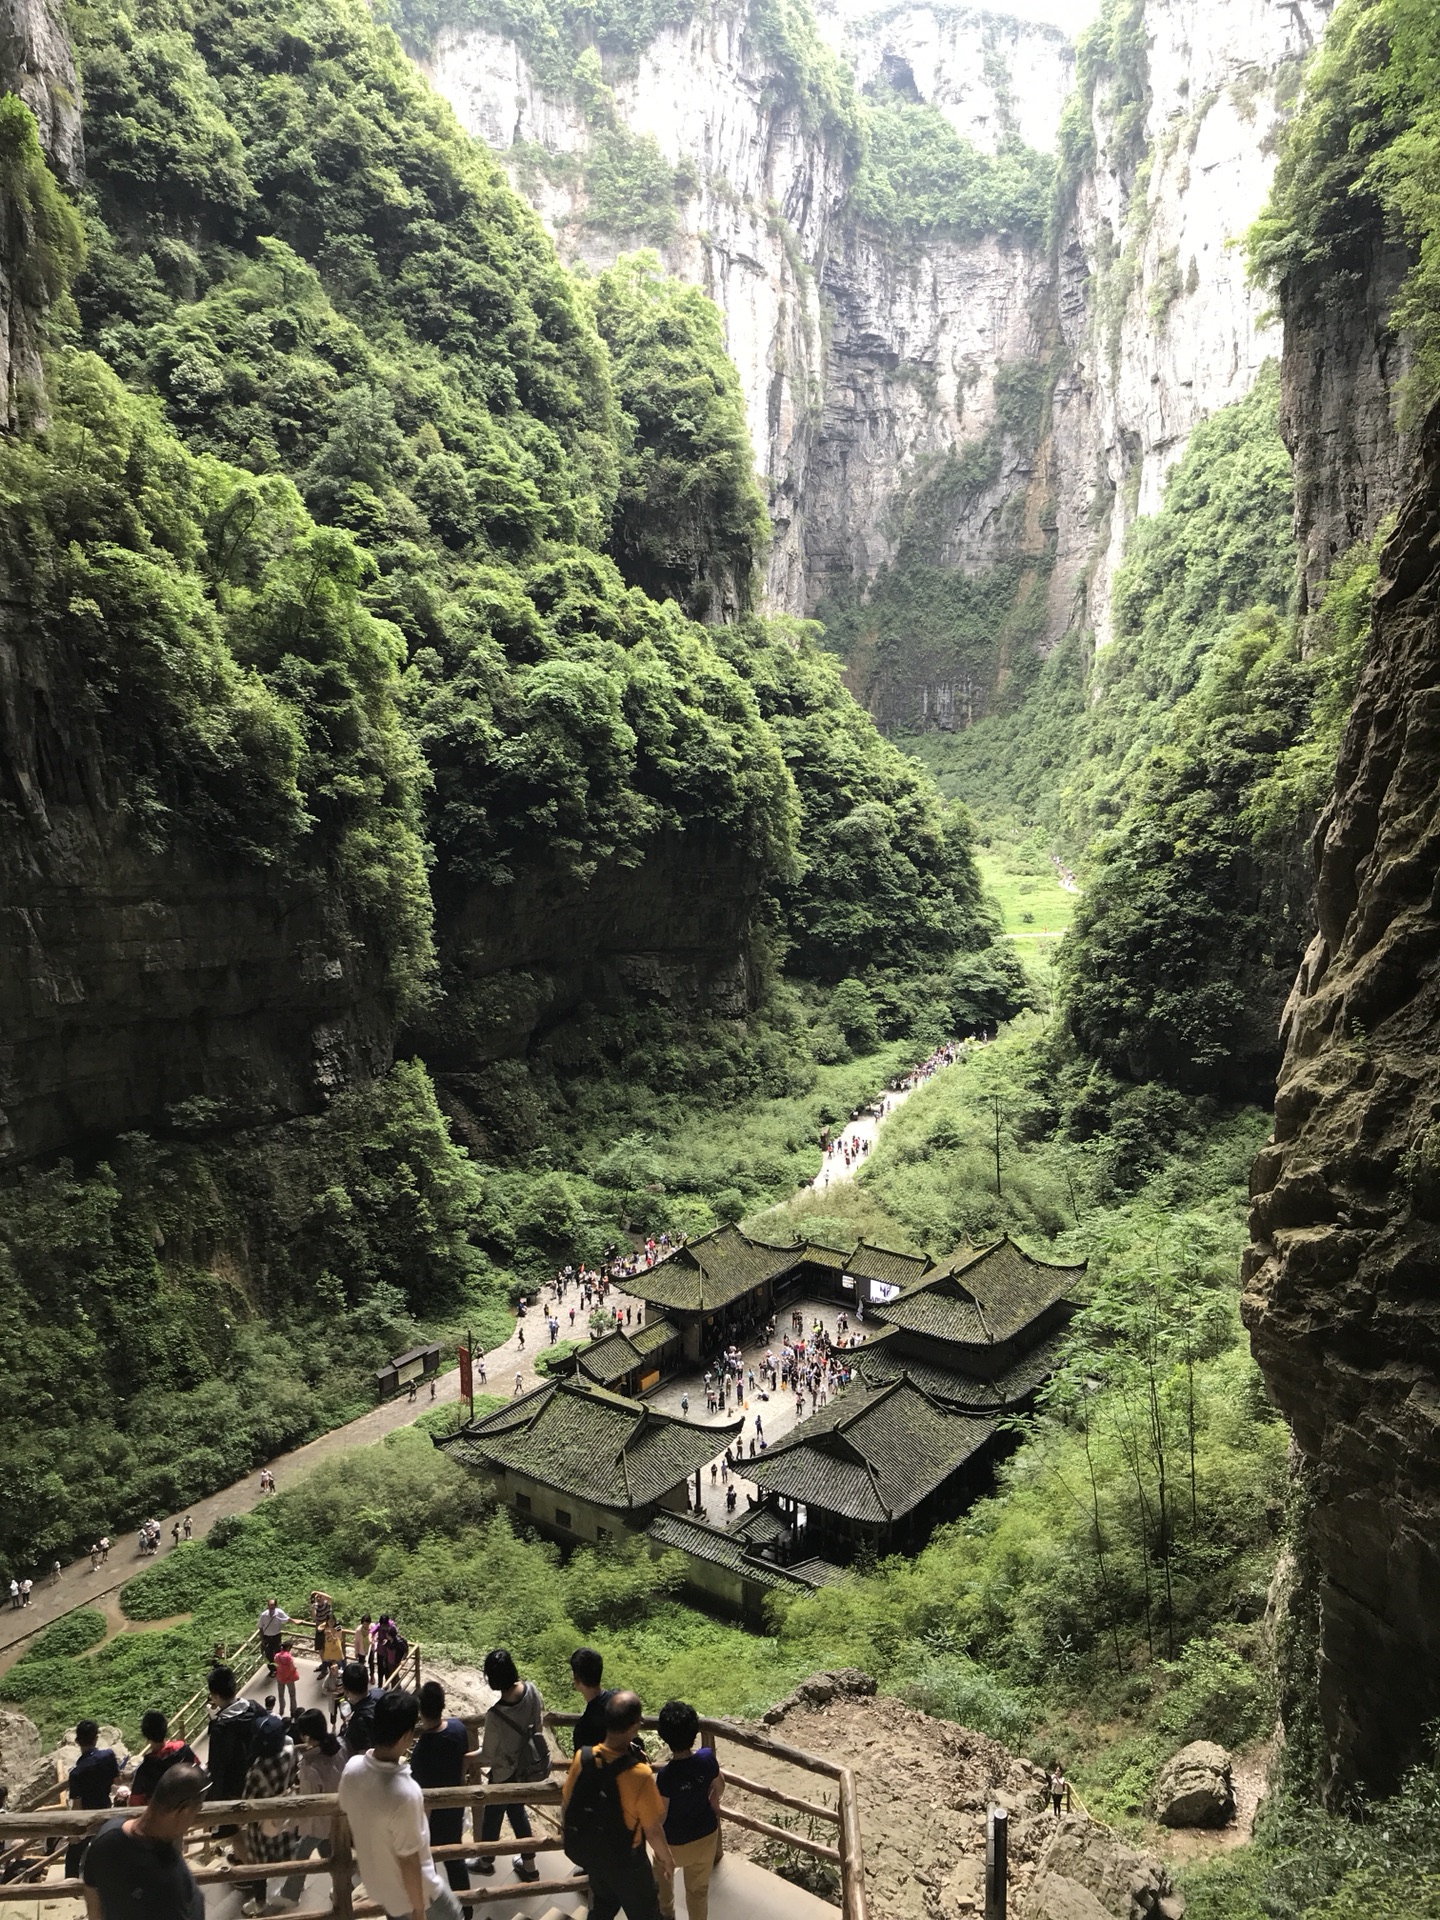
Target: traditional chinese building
<point x="914" y="1438"/>
<point x="582" y="1464"/>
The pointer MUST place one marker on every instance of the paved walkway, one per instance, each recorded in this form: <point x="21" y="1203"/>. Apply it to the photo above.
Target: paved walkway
<point x="776" y="1412"/>
<point x="77" y="1586"/>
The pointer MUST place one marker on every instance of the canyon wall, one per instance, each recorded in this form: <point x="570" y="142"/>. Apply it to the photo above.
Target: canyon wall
<point x="1176" y="140"/>
<point x="1343" y="1279"/>
<point x="869" y="358"/>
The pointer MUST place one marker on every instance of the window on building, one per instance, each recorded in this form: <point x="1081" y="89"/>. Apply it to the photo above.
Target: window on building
<point x="562" y="1518"/>
<point x="603" y="1533"/>
<point x="522" y="1501"/>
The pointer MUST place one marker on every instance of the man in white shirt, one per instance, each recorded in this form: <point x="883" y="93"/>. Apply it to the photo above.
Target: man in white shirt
<point x="386" y="1811"/>
<point x="273" y="1622"/>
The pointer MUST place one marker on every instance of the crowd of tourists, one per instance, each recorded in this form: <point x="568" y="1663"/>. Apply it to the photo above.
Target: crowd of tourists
<point x="632" y="1827"/>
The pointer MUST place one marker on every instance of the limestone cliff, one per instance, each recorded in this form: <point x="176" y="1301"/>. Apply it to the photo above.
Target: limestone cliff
<point x="869" y="359"/>
<point x="37" y="63"/>
<point x="1175" y="134"/>
<point x="1343" y="1278"/>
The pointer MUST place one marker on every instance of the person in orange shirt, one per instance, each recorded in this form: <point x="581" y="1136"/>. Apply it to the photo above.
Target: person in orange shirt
<point x="626" y="1881"/>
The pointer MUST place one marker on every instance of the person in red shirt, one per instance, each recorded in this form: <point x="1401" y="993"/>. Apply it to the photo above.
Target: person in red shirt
<point x="161" y="1753"/>
<point x="287" y="1676"/>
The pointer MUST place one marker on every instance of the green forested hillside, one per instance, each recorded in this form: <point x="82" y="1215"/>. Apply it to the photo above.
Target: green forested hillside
<point x="351" y="520"/>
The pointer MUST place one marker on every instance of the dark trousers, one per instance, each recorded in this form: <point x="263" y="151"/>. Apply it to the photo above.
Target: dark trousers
<point x="632" y="1890"/>
<point x="493" y="1819"/>
<point x="75" y="1858"/>
<point x="447" y="1829"/>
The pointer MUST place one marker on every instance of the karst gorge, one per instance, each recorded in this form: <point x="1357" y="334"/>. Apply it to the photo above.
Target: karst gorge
<point x="583" y="586"/>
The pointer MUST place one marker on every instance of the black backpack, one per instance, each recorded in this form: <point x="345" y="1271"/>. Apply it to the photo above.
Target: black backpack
<point x="597" y="1836"/>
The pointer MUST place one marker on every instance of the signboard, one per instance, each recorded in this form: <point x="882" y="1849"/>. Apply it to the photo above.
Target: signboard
<point x="648" y="1380"/>
<point x="882" y="1290"/>
<point x="467" y="1380"/>
<point x="412" y="1370"/>
<point x="847" y="1281"/>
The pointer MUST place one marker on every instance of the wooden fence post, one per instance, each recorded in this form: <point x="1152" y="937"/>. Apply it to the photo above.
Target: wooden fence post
<point x="342" y="1868"/>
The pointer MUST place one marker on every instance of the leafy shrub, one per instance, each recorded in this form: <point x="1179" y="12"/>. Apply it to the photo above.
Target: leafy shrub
<point x="73" y="1634"/>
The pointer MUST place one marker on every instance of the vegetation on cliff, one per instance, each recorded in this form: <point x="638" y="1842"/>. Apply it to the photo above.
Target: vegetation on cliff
<point x="1359" y="163"/>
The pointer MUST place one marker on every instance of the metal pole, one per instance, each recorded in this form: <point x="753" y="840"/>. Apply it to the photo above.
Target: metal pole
<point x="997" y="1143"/>
<point x="997" y="1862"/>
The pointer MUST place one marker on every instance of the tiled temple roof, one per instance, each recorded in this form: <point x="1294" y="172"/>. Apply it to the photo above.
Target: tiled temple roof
<point x="598" y="1446"/>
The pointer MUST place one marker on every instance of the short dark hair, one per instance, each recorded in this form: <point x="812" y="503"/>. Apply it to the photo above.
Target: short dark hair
<point x="622" y="1710"/>
<point x="587" y="1666"/>
<point x="432" y="1699"/>
<point x="179" y="1786"/>
<point x="500" y="1669"/>
<point x="222" y="1681"/>
<point x="395" y="1713"/>
<point x="678" y="1724"/>
<point x="353" y="1677"/>
<point x="87" y="1732"/>
<point x="153" y="1724"/>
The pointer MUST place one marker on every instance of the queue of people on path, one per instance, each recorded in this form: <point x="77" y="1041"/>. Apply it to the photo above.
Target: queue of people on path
<point x="632" y="1827"/>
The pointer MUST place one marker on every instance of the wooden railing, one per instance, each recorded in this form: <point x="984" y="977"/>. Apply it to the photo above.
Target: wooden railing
<point x="30" y="1842"/>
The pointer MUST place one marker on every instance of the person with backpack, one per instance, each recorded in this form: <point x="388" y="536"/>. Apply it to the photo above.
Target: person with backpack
<point x="161" y="1753"/>
<point x="612" y="1807"/>
<point x="513" y="1748"/>
<point x="359" y="1731"/>
<point x="690" y="1785"/>
<point x="232" y="1734"/>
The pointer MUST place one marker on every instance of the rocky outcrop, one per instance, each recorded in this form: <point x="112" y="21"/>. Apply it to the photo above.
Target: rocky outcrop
<point x="1086" y="1863"/>
<point x="1341" y="374"/>
<point x="1342" y="1282"/>
<point x="823" y="1690"/>
<point x="1196" y="1788"/>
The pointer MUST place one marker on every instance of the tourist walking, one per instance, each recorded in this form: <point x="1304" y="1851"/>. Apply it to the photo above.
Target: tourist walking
<point x="232" y="1732"/>
<point x="320" y="1763"/>
<point x="437" y="1759"/>
<point x="1058" y="1788"/>
<point x="161" y="1753"/>
<point x="273" y="1622"/>
<point x="587" y="1668"/>
<point x="270" y="1775"/>
<point x="691" y="1785"/>
<point x="608" y="1821"/>
<point x="386" y="1811"/>
<point x="513" y="1748"/>
<point x="287" y="1678"/>
<point x="134" y="1865"/>
<point x="363" y="1700"/>
<point x="88" y="1784"/>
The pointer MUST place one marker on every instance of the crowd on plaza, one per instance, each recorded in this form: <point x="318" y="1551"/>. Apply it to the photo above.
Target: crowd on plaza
<point x="632" y="1827"/>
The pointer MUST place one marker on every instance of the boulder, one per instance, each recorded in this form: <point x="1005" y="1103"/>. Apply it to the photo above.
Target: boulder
<point x="1128" y="1885"/>
<point x="19" y="1744"/>
<point x="1195" y="1788"/>
<point x="1054" y="1897"/>
<point x="822" y="1690"/>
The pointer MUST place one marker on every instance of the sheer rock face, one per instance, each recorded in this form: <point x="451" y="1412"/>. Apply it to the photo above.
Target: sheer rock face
<point x="1342" y="1283"/>
<point x="36" y="62"/>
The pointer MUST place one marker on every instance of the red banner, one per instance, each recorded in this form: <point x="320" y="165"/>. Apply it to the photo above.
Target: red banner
<point x="467" y="1383"/>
